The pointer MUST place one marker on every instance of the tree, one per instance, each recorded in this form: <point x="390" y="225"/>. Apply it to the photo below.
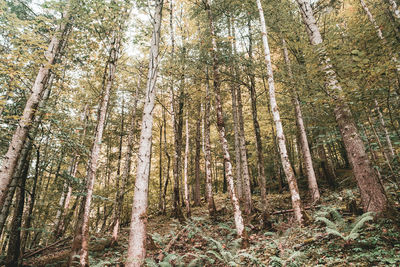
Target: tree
<point x="287" y="167"/>
<point x="221" y="129"/>
<point x="372" y="193"/>
<point x="137" y="234"/>
<point x="56" y="46"/>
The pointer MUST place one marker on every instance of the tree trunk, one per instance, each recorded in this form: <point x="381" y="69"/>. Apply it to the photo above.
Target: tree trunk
<point x="177" y="120"/>
<point x="29" y="216"/>
<point x="394" y="8"/>
<point x="238" y="159"/>
<point x="20" y="135"/>
<point x="14" y="183"/>
<point x="197" y="196"/>
<point x="385" y="156"/>
<point x="185" y="182"/>
<point x="312" y="180"/>
<point x="373" y="154"/>
<point x="127" y="166"/>
<point x="257" y="133"/>
<point x="387" y="136"/>
<point x="327" y="167"/>
<point x="221" y="129"/>
<point x="64" y="203"/>
<point x="207" y="151"/>
<point x="81" y="238"/>
<point x="372" y="193"/>
<point x="164" y="203"/>
<point x="14" y="241"/>
<point x="287" y="168"/>
<point x="160" y="171"/>
<point x="137" y="235"/>
<point x="248" y="205"/>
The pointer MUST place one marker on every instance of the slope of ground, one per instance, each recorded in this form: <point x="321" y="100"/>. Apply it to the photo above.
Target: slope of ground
<point x="333" y="237"/>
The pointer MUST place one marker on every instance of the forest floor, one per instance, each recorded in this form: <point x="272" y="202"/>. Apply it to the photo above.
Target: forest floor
<point x="333" y="237"/>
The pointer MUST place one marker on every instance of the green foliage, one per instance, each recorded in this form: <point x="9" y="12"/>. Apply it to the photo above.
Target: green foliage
<point x="339" y="227"/>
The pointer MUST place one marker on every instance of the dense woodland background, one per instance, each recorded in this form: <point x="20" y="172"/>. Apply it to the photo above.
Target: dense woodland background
<point x="199" y="133"/>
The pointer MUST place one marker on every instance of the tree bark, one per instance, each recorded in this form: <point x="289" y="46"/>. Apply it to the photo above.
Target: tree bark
<point x="164" y="203"/>
<point x="312" y="180"/>
<point x="235" y="113"/>
<point x="207" y="151"/>
<point x="14" y="241"/>
<point x="385" y="131"/>
<point x="372" y="193"/>
<point x="20" y="135"/>
<point x="257" y="133"/>
<point x="221" y="129"/>
<point x="137" y="235"/>
<point x="28" y="218"/>
<point x="287" y="168"/>
<point x="197" y="196"/>
<point x="248" y="205"/>
<point x="185" y="182"/>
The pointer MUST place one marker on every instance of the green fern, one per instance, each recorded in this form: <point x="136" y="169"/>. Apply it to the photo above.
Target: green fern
<point x="340" y="228"/>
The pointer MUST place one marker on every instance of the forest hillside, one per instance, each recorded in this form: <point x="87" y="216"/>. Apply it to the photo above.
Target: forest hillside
<point x="199" y="133"/>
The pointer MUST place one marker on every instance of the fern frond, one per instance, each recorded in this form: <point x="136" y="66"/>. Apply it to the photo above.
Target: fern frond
<point x="328" y="223"/>
<point x="293" y="255"/>
<point x="335" y="232"/>
<point x="276" y="260"/>
<point x="235" y="244"/>
<point x="232" y="263"/>
<point x="337" y="217"/>
<point x="250" y="257"/>
<point x="226" y="255"/>
<point x="151" y="263"/>
<point x="215" y="254"/>
<point x="216" y="243"/>
<point x="165" y="264"/>
<point x="360" y="223"/>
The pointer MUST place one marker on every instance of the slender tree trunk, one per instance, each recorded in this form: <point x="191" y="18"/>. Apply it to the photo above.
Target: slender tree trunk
<point x="160" y="171"/>
<point x="14" y="241"/>
<point x="64" y="203"/>
<point x="14" y="183"/>
<point x="238" y="158"/>
<point x="221" y="129"/>
<point x="20" y="135"/>
<point x="127" y="165"/>
<point x="29" y="216"/>
<point x="197" y="196"/>
<point x="80" y="244"/>
<point x="394" y="9"/>
<point x="312" y="180"/>
<point x="164" y="203"/>
<point x="377" y="139"/>
<point x="137" y="235"/>
<point x="287" y="168"/>
<point x="207" y="152"/>
<point x="118" y="177"/>
<point x="177" y="120"/>
<point x="372" y="193"/>
<point x="248" y="205"/>
<point x="387" y="136"/>
<point x="257" y="132"/>
<point x="373" y="154"/>
<point x="185" y="182"/>
<point x="327" y="167"/>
